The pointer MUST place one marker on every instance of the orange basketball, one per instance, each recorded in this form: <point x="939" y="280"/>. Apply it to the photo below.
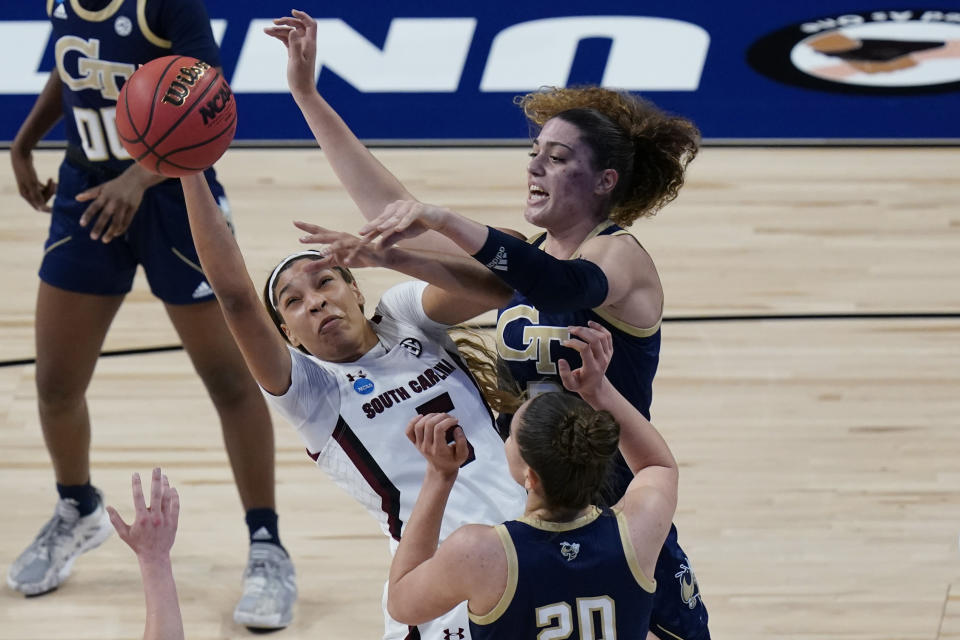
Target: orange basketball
<point x="176" y="115"/>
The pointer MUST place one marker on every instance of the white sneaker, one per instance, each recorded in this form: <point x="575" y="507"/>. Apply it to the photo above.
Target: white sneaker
<point x="46" y="563"/>
<point x="269" y="589"/>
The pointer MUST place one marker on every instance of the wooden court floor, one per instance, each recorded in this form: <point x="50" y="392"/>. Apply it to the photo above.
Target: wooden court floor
<point x="807" y="386"/>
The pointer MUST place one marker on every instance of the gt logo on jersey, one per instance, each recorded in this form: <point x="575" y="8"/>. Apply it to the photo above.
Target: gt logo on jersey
<point x="536" y="339"/>
<point x="92" y="73"/>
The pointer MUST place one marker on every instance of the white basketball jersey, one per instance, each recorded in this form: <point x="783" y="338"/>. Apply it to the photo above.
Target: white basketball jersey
<point x="413" y="371"/>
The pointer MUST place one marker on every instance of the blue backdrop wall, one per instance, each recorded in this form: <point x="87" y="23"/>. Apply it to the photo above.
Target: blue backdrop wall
<point x="440" y="71"/>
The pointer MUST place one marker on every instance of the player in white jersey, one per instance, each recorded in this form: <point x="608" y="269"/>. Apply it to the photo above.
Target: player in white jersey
<point x="351" y="385"/>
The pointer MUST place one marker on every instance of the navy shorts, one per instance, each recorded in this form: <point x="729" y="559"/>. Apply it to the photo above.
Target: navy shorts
<point x="158" y="238"/>
<point x="678" y="610"/>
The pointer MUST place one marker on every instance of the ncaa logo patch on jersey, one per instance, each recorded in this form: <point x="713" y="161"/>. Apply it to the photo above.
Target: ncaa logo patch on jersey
<point x="569" y="550"/>
<point x="361" y="384"/>
<point x="412" y="345"/>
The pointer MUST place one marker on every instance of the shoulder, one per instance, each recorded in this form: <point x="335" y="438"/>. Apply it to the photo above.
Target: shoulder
<point x="622" y="241"/>
<point x="310" y="377"/>
<point x="620" y="254"/>
<point x="403" y="304"/>
<point x="477" y="543"/>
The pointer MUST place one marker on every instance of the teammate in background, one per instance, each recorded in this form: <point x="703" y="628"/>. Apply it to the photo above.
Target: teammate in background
<point x="108" y="216"/>
<point x="151" y="536"/>
<point x="601" y="160"/>
<point x="350" y="385"/>
<point x="567" y="567"/>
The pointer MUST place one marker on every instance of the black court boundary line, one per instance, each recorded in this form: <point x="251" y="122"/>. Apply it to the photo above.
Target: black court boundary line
<point x="932" y="315"/>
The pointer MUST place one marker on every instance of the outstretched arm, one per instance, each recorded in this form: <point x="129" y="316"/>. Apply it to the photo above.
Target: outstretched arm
<point x="151" y="536"/>
<point x="371" y="185"/>
<point x="461" y="288"/>
<point x="651" y="498"/>
<point x="263" y="349"/>
<point x="550" y="283"/>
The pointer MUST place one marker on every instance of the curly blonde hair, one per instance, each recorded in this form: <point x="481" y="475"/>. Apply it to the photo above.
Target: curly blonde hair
<point x="648" y="148"/>
<point x="479" y="354"/>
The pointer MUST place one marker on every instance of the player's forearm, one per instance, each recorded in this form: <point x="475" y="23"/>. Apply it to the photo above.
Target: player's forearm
<point x="549" y="283"/>
<point x="163" y="619"/>
<point x="371" y="186"/>
<point x="459" y="276"/>
<point x="422" y="533"/>
<point x="640" y="443"/>
<point x="146" y="178"/>
<point x="220" y="257"/>
<point x="46" y="112"/>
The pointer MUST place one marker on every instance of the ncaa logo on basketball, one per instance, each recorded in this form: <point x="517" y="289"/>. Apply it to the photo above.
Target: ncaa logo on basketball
<point x="890" y="52"/>
<point x="216" y="104"/>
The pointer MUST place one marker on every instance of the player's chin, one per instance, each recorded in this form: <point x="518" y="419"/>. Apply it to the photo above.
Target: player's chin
<point x="536" y="214"/>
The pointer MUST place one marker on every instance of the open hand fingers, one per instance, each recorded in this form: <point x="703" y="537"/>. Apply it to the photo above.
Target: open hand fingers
<point x="121" y="527"/>
<point x="566" y="375"/>
<point x="119" y="222"/>
<point x="156" y="490"/>
<point x="593" y="339"/>
<point x="137" y="487"/>
<point x="310" y="228"/>
<point x="606" y="338"/>
<point x="165" y="495"/>
<point x="280" y="33"/>
<point x="174" y="512"/>
<point x="104" y="215"/>
<point x="289" y="22"/>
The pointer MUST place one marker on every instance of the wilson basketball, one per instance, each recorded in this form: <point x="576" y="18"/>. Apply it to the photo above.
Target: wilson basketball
<point x="176" y="116"/>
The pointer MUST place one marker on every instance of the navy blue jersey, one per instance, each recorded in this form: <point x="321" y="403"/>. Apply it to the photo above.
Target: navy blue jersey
<point x="99" y="44"/>
<point x="528" y="340"/>
<point x="576" y="580"/>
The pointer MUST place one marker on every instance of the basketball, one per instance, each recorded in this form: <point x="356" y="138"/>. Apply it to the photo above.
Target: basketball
<point x="176" y="116"/>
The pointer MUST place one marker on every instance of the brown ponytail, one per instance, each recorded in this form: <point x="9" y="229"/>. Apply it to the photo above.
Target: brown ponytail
<point x="570" y="445"/>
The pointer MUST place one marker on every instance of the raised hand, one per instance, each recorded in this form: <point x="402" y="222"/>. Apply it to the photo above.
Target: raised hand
<point x="341" y="248"/>
<point x="154" y="527"/>
<point x="595" y="346"/>
<point x="402" y="220"/>
<point x="429" y="435"/>
<point x="298" y="33"/>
